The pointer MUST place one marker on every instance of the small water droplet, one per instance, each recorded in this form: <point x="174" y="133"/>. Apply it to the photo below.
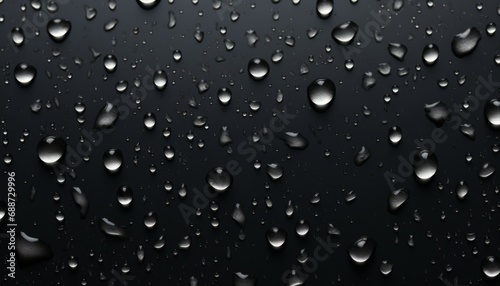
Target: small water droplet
<point x="148" y="4"/>
<point x="430" y="54"/>
<point x="111" y="229"/>
<point x="397" y="198"/>
<point x="395" y="135"/>
<point x="437" y="112"/>
<point x="160" y="79"/>
<point x="81" y="200"/>
<point x="361" y="157"/>
<point x="425" y="164"/>
<point x="274" y="171"/>
<point x="397" y="50"/>
<point x="490" y="267"/>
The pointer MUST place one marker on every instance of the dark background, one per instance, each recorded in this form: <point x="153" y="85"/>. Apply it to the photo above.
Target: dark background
<point x="307" y="171"/>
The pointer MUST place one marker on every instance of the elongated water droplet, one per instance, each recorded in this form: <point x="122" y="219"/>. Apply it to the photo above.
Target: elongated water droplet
<point x="51" y="149"/>
<point x="461" y="190"/>
<point x="258" y="69"/>
<point x="17" y="35"/>
<point x="81" y="200"/>
<point x="397" y="5"/>
<point x="25" y="74"/>
<point x="238" y="215"/>
<point x="219" y="179"/>
<point x="425" y="164"/>
<point x="345" y="33"/>
<point x="111" y="229"/>
<point x="486" y="170"/>
<point x="58" y="29"/>
<point x="321" y="93"/>
<point x="295" y="141"/>
<point x="397" y="198"/>
<point x="30" y="250"/>
<point x="361" y="250"/>
<point x="276" y="237"/>
<point x="368" y="81"/>
<point x="465" y="43"/>
<point x="107" y="117"/>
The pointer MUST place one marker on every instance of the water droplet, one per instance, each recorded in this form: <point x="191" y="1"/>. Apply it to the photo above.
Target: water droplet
<point x="90" y="12"/>
<point x="277" y="56"/>
<point x="385" y="266"/>
<point x="238" y="215"/>
<point x="492" y="113"/>
<point x="398" y="51"/>
<point x="51" y="149"/>
<point x="160" y="79"/>
<point x="461" y="190"/>
<point x="25" y="74"/>
<point x="172" y="21"/>
<point x="276" y="237"/>
<point x="430" y="54"/>
<point x="302" y="228"/>
<point x="3" y="210"/>
<point x="149" y="121"/>
<point x="397" y="5"/>
<point x="465" y="43"/>
<point x="258" y="69"/>
<point x="368" y="80"/>
<point x="148" y="4"/>
<point x="361" y="250"/>
<point x="107" y="117"/>
<point x="58" y="29"/>
<point x="30" y="250"/>
<point x="321" y="93"/>
<point x="397" y="198"/>
<point x="491" y="29"/>
<point x="240" y="279"/>
<point x="395" y="135"/>
<point x="177" y="55"/>
<point x="425" y="164"/>
<point x="468" y="130"/>
<point x="345" y="33"/>
<point x="113" y="160"/>
<point x="81" y="200"/>
<point x="274" y="171"/>
<point x="110" y="63"/>
<point x="486" y="170"/>
<point x="437" y="112"/>
<point x="110" y="25"/>
<point x="111" y="229"/>
<point x="124" y="196"/>
<point x="295" y="141"/>
<point x="219" y="179"/>
<point x="324" y="8"/>
<point x="17" y="35"/>
<point x="150" y="220"/>
<point x="361" y="157"/>
<point x="490" y="267"/>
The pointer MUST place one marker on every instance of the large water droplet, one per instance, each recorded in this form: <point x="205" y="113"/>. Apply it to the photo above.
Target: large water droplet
<point x="81" y="200"/>
<point x="24" y="74"/>
<point x="276" y="237"/>
<point x="492" y="113"/>
<point x="107" y="117"/>
<point x="397" y="198"/>
<point x="258" y="69"/>
<point x="425" y="164"/>
<point x="321" y="93"/>
<point x="361" y="250"/>
<point x="345" y="33"/>
<point x="430" y="54"/>
<point x="51" y="149"/>
<point x="490" y="267"/>
<point x="30" y="250"/>
<point x="58" y="29"/>
<point x="324" y="8"/>
<point x="113" y="160"/>
<point x="466" y="42"/>
<point x="148" y="4"/>
<point x="219" y="179"/>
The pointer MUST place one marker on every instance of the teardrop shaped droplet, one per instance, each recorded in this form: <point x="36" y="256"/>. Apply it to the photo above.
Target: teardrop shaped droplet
<point x="361" y="250"/>
<point x="58" y="29"/>
<point x="274" y="171"/>
<point x="81" y="200"/>
<point x="363" y="155"/>
<point x="397" y="198"/>
<point x="51" y="149"/>
<point x="465" y="43"/>
<point x="107" y="117"/>
<point x="150" y="220"/>
<point x="224" y="95"/>
<point x="219" y="179"/>
<point x="425" y="164"/>
<point x="345" y="33"/>
<point x="258" y="69"/>
<point x="110" y="63"/>
<point x="17" y="35"/>
<point x="25" y="74"/>
<point x="321" y="93"/>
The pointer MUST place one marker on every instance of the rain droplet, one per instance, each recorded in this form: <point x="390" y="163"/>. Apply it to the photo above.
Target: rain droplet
<point x="492" y="113"/>
<point x="149" y="121"/>
<point x="224" y="95"/>
<point x="368" y="80"/>
<point x="51" y="149"/>
<point x="461" y="190"/>
<point x="25" y="74"/>
<point x="385" y="266"/>
<point x="324" y="8"/>
<point x="490" y="267"/>
<point x="302" y="228"/>
<point x="17" y="36"/>
<point x="124" y="196"/>
<point x="295" y="141"/>
<point x="219" y="179"/>
<point x="81" y="200"/>
<point x="110" y="63"/>
<point x="361" y="250"/>
<point x="111" y="229"/>
<point x="398" y="51"/>
<point x="430" y="54"/>
<point x="397" y="198"/>
<point x="437" y="112"/>
<point x="276" y="237"/>
<point x="258" y="69"/>
<point x="486" y="170"/>
<point x="58" y="29"/>
<point x="397" y="5"/>
<point x="345" y="33"/>
<point x="425" y="164"/>
<point x="238" y="215"/>
<point x="148" y="4"/>
<point x="468" y="130"/>
<point x="107" y="117"/>
<point x="395" y="135"/>
<point x="113" y="160"/>
<point x="160" y="79"/>
<point x="321" y="93"/>
<point x="150" y="220"/>
<point x="465" y="43"/>
<point x="240" y="279"/>
<point x="30" y="250"/>
<point x="274" y="171"/>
